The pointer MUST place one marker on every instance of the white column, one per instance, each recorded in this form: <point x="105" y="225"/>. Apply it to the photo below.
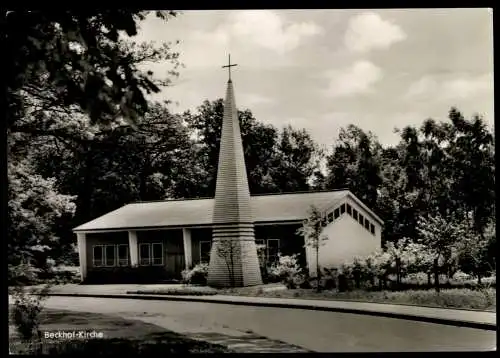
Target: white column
<point x="82" y="254"/>
<point x="188" y="254"/>
<point x="133" y="248"/>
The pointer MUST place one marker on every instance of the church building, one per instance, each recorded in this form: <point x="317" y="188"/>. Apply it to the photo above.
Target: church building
<point x="171" y="235"/>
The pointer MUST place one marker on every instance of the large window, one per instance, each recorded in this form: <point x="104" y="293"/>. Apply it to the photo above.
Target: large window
<point x="144" y="254"/>
<point x="151" y="254"/>
<point x="122" y="255"/>
<point x="104" y="255"/>
<point x="110" y="255"/>
<point x="205" y="247"/>
<point x="98" y="256"/>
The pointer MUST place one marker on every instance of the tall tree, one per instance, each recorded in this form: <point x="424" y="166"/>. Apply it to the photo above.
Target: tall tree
<point x="34" y="207"/>
<point x="145" y="162"/>
<point x="472" y="149"/>
<point x="59" y="60"/>
<point x="295" y="161"/>
<point x="355" y="164"/>
<point x="275" y="161"/>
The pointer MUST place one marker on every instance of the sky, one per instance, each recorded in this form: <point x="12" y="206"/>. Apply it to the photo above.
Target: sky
<point x="325" y="69"/>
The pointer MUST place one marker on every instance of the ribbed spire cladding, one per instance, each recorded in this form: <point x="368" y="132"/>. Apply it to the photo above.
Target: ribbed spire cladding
<point x="233" y="258"/>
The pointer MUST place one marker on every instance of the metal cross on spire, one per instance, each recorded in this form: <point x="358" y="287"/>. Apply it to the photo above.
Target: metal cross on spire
<point x="229" y="67"/>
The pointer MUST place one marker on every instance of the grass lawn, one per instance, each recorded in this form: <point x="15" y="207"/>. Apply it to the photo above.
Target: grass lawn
<point x="119" y="336"/>
<point x="448" y="298"/>
<point x="484" y="300"/>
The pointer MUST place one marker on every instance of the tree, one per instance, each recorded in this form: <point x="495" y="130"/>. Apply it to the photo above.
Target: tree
<point x="355" y="164"/>
<point x="226" y="249"/>
<point x="312" y="231"/>
<point x="442" y="239"/>
<point x="61" y="60"/>
<point x="392" y="200"/>
<point x="472" y="150"/>
<point x="296" y="160"/>
<point x="474" y="252"/>
<point x="275" y="161"/>
<point x="258" y="145"/>
<point x="34" y="207"/>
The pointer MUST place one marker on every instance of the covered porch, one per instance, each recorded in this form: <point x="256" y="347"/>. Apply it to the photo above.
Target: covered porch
<point x="162" y="252"/>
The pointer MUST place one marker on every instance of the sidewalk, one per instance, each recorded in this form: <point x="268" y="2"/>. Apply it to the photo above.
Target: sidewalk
<point x="463" y="318"/>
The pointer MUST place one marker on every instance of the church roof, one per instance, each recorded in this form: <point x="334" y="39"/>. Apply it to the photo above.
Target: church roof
<point x="270" y="208"/>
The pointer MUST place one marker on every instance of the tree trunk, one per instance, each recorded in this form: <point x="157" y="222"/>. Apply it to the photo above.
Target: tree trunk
<point x="318" y="271"/>
<point x="84" y="206"/>
<point x="231" y="275"/>
<point x="436" y="275"/>
<point x="478" y="278"/>
<point x="398" y="273"/>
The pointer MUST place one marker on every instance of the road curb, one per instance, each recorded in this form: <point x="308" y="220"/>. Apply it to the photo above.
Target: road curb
<point x="406" y="316"/>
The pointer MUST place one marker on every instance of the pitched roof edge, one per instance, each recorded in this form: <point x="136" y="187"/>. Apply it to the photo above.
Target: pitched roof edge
<point x="251" y="195"/>
<point x="365" y="207"/>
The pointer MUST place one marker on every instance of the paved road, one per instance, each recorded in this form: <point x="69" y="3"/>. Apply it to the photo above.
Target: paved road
<point x="313" y="330"/>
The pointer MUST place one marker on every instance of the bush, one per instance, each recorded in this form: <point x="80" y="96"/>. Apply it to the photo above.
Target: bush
<point x="329" y="279"/>
<point x="461" y="276"/>
<point x="196" y="276"/>
<point x="23" y="274"/>
<point x="26" y="310"/>
<point x="288" y="271"/>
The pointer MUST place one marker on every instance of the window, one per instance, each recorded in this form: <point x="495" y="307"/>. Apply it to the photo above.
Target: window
<point x="342" y="209"/>
<point x="205" y="247"/>
<point x="361" y="219"/>
<point x="98" y="256"/>
<point x="157" y="253"/>
<point x="336" y="213"/>
<point x="144" y="254"/>
<point x="355" y="214"/>
<point x="372" y="229"/>
<point x="273" y="249"/>
<point x="367" y="224"/>
<point x="122" y="255"/>
<point x="151" y="254"/>
<point x="330" y="217"/>
<point x="259" y="242"/>
<point x="349" y="209"/>
<point x="110" y="255"/>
